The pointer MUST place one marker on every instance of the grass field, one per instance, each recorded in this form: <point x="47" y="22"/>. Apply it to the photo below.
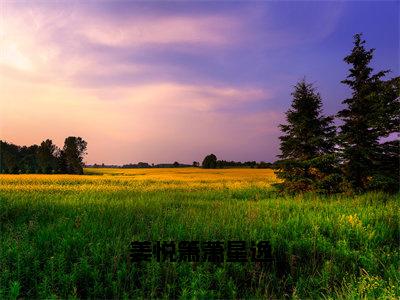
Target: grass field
<point x="66" y="236"/>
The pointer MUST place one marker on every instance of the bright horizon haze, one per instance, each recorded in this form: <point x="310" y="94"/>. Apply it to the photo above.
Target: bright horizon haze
<point x="160" y="82"/>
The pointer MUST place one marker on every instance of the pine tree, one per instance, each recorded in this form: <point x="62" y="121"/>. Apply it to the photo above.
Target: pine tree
<point x="385" y="174"/>
<point x="359" y="135"/>
<point x="308" y="138"/>
<point x="308" y="134"/>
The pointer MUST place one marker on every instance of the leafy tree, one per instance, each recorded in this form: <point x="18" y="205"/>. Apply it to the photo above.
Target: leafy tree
<point x="195" y="164"/>
<point x="9" y="157"/>
<point x="367" y="117"/>
<point x="15" y="159"/>
<point x="175" y="164"/>
<point x="46" y="157"/>
<point x="62" y="166"/>
<point x="73" y="154"/>
<point x="308" y="143"/>
<point x="28" y="162"/>
<point x="210" y="162"/>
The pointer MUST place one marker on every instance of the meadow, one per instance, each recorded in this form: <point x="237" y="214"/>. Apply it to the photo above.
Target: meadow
<point x="68" y="236"/>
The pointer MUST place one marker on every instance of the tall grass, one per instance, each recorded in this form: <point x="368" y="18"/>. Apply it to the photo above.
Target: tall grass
<point x="69" y="236"/>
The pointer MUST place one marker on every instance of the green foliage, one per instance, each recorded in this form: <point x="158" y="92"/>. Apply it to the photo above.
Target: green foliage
<point x="68" y="244"/>
<point x="320" y="174"/>
<point x="367" y="159"/>
<point x="47" y="157"/>
<point x="44" y="159"/>
<point x="370" y="114"/>
<point x="307" y="147"/>
<point x="386" y="168"/>
<point x="307" y="133"/>
<point x="73" y="153"/>
<point x="386" y="106"/>
<point x="383" y="183"/>
<point x="9" y="155"/>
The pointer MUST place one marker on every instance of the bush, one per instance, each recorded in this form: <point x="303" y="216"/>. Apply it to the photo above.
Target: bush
<point x="383" y="183"/>
<point x="332" y="183"/>
<point x="320" y="174"/>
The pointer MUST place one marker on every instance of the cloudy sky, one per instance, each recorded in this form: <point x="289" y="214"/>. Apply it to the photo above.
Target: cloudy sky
<point x="165" y="81"/>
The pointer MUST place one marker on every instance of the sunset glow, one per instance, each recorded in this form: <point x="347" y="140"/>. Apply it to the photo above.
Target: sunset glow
<point x="160" y="82"/>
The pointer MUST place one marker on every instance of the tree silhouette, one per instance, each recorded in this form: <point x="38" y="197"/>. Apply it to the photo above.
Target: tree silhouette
<point x="9" y="157"/>
<point x="73" y="154"/>
<point x="362" y="118"/>
<point x="46" y="157"/>
<point x="210" y="162"/>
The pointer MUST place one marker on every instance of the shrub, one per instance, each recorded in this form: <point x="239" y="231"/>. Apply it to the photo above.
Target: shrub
<point x="320" y="174"/>
<point x="384" y="183"/>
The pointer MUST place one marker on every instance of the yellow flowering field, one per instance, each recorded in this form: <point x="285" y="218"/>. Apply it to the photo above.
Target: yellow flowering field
<point x="110" y="179"/>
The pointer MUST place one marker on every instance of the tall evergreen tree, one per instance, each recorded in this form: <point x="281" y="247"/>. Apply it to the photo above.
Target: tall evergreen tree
<point x="308" y="133"/>
<point x="385" y="174"/>
<point x="362" y="118"/>
<point x="386" y="107"/>
<point x="308" y="138"/>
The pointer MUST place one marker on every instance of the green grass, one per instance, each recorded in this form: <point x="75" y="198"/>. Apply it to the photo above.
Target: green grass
<point x="75" y="244"/>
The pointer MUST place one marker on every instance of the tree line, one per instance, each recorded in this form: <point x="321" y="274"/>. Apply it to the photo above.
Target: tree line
<point x="211" y="162"/>
<point x="45" y="158"/>
<point x="214" y="163"/>
<point x="141" y="165"/>
<point x="358" y="155"/>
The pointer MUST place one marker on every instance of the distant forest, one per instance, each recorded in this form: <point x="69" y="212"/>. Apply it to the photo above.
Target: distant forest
<point x="206" y="164"/>
<point x="45" y="158"/>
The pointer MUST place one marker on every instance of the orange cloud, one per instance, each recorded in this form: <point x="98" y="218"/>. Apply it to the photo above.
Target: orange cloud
<point x="209" y="30"/>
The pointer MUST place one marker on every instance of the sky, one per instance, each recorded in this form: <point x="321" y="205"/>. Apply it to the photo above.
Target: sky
<point x="174" y="81"/>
